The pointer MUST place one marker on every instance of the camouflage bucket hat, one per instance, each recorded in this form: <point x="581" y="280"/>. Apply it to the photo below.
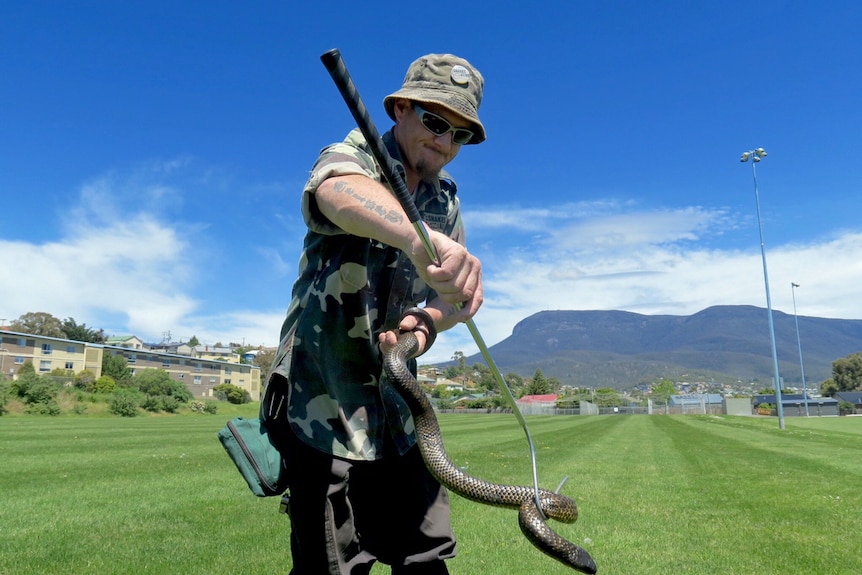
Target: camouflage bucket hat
<point x="446" y="80"/>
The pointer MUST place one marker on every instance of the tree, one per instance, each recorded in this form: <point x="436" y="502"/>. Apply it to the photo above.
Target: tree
<point x="152" y="381"/>
<point x="662" y="390"/>
<point x="847" y="373"/>
<point x="538" y="385"/>
<point x="194" y="341"/>
<point x="829" y="388"/>
<point x="462" y="365"/>
<point x="116" y="367"/>
<point x="39" y="323"/>
<point x="607" y="397"/>
<point x="158" y="383"/>
<point x="264" y="361"/>
<point x="81" y="332"/>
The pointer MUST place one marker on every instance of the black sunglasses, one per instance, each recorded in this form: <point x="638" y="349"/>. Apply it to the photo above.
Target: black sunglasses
<point x="439" y="126"/>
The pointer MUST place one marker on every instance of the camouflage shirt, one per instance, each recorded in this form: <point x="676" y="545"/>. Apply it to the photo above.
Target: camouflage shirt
<point x="349" y="290"/>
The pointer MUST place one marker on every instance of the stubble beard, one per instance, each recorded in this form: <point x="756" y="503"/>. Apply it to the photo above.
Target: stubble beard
<point x="427" y="173"/>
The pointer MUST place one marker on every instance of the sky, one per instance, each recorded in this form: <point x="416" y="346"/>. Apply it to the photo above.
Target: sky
<point x="152" y="155"/>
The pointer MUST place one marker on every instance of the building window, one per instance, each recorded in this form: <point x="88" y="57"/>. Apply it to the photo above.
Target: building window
<point x="181" y="375"/>
<point x="227" y="371"/>
<point x="227" y="380"/>
<point x="47" y="349"/>
<point x="22" y="342"/>
<point x="197" y="380"/>
<point x="132" y="358"/>
<point x="19" y="360"/>
<point x="212" y="380"/>
<point x="45" y="365"/>
<point x="70" y="349"/>
<point x="70" y="365"/>
<point x="198" y="368"/>
<point x="166" y="363"/>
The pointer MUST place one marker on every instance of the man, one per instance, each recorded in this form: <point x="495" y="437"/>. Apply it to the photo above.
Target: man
<point x="360" y="492"/>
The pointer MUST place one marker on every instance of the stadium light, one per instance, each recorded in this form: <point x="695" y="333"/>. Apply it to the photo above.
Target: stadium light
<point x="793" y="287"/>
<point x="756" y="155"/>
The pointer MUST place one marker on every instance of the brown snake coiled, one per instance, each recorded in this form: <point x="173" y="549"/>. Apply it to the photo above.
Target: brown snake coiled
<point x="530" y="518"/>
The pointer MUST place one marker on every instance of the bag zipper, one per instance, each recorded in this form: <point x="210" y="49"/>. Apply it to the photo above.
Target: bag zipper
<point x="249" y="457"/>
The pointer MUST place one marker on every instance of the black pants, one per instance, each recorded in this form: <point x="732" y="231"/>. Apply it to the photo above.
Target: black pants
<point x="346" y="515"/>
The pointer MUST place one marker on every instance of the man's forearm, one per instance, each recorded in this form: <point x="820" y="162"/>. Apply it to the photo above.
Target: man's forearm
<point x="363" y="207"/>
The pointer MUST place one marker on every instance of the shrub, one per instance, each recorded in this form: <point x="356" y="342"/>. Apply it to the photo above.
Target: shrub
<point x="158" y="403"/>
<point x="152" y="403"/>
<point x="198" y="406"/>
<point x="231" y="393"/>
<point x="124" y="403"/>
<point x="41" y="391"/>
<point x="85" y="380"/>
<point x="4" y="395"/>
<point x="49" y="407"/>
<point x="104" y="384"/>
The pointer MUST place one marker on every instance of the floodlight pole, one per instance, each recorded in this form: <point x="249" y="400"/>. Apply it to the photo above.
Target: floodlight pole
<point x="793" y="287"/>
<point x="756" y="155"/>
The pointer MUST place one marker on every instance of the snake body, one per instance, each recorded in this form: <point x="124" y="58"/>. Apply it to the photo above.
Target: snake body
<point x="531" y="519"/>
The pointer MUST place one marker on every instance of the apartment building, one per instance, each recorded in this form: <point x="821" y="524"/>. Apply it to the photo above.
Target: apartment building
<point x="199" y="374"/>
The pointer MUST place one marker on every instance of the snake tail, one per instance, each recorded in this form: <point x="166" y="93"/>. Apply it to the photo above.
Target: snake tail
<point x="531" y="519"/>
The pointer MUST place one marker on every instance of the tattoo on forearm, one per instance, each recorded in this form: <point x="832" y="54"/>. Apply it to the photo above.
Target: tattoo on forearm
<point x="369" y="204"/>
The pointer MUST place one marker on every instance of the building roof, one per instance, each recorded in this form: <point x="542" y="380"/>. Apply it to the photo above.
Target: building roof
<point x="118" y="338"/>
<point x="546" y="398"/>
<point x="794" y="399"/>
<point x="854" y="397"/>
<point x="696" y="399"/>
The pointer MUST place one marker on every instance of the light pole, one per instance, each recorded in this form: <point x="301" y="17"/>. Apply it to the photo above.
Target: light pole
<point x="793" y="287"/>
<point x="755" y="156"/>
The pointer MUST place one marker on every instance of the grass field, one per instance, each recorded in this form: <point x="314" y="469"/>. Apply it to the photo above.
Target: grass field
<point x="657" y="494"/>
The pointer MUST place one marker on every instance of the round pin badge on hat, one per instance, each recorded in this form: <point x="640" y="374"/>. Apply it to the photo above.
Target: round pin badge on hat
<point x="460" y="75"/>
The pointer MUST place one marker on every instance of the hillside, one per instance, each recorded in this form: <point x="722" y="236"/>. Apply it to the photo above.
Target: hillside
<point x="721" y="344"/>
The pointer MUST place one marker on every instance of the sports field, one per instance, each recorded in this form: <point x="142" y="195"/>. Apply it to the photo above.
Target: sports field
<point x="657" y="494"/>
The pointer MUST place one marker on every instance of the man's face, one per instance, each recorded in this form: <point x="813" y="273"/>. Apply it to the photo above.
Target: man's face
<point x="423" y="152"/>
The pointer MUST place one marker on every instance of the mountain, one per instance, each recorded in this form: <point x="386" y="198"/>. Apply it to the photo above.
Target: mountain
<point x="724" y="344"/>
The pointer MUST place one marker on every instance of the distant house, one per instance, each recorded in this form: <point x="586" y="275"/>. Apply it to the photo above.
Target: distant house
<point x="213" y="352"/>
<point x="696" y="399"/>
<point x="795" y="404"/>
<point x="449" y="384"/>
<point x="127" y="341"/>
<point x="165" y="346"/>
<point x="852" y="397"/>
<point x="537" y="404"/>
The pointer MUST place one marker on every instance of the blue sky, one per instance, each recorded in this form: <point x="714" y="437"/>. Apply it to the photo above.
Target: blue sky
<point x="152" y="155"/>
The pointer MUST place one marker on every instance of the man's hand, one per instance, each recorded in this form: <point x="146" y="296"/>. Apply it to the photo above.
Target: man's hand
<point x="458" y="278"/>
<point x="387" y="340"/>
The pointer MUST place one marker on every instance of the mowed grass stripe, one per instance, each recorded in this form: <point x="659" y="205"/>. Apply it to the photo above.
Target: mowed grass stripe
<point x="659" y="494"/>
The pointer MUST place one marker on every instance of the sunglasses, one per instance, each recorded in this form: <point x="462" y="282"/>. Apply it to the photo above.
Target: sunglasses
<point x="439" y="126"/>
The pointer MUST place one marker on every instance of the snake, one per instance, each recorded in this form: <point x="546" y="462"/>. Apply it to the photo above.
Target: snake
<point x="533" y="511"/>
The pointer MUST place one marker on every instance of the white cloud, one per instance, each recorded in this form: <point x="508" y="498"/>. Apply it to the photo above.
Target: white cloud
<point x="649" y="262"/>
<point x="123" y="265"/>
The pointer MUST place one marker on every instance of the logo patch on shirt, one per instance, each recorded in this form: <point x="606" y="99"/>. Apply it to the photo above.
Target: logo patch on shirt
<point x="436" y="222"/>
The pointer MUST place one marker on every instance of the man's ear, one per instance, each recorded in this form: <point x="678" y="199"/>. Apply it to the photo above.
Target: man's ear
<point x="401" y="107"/>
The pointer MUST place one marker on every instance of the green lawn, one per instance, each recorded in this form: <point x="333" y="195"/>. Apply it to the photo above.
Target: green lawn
<point x="657" y="494"/>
